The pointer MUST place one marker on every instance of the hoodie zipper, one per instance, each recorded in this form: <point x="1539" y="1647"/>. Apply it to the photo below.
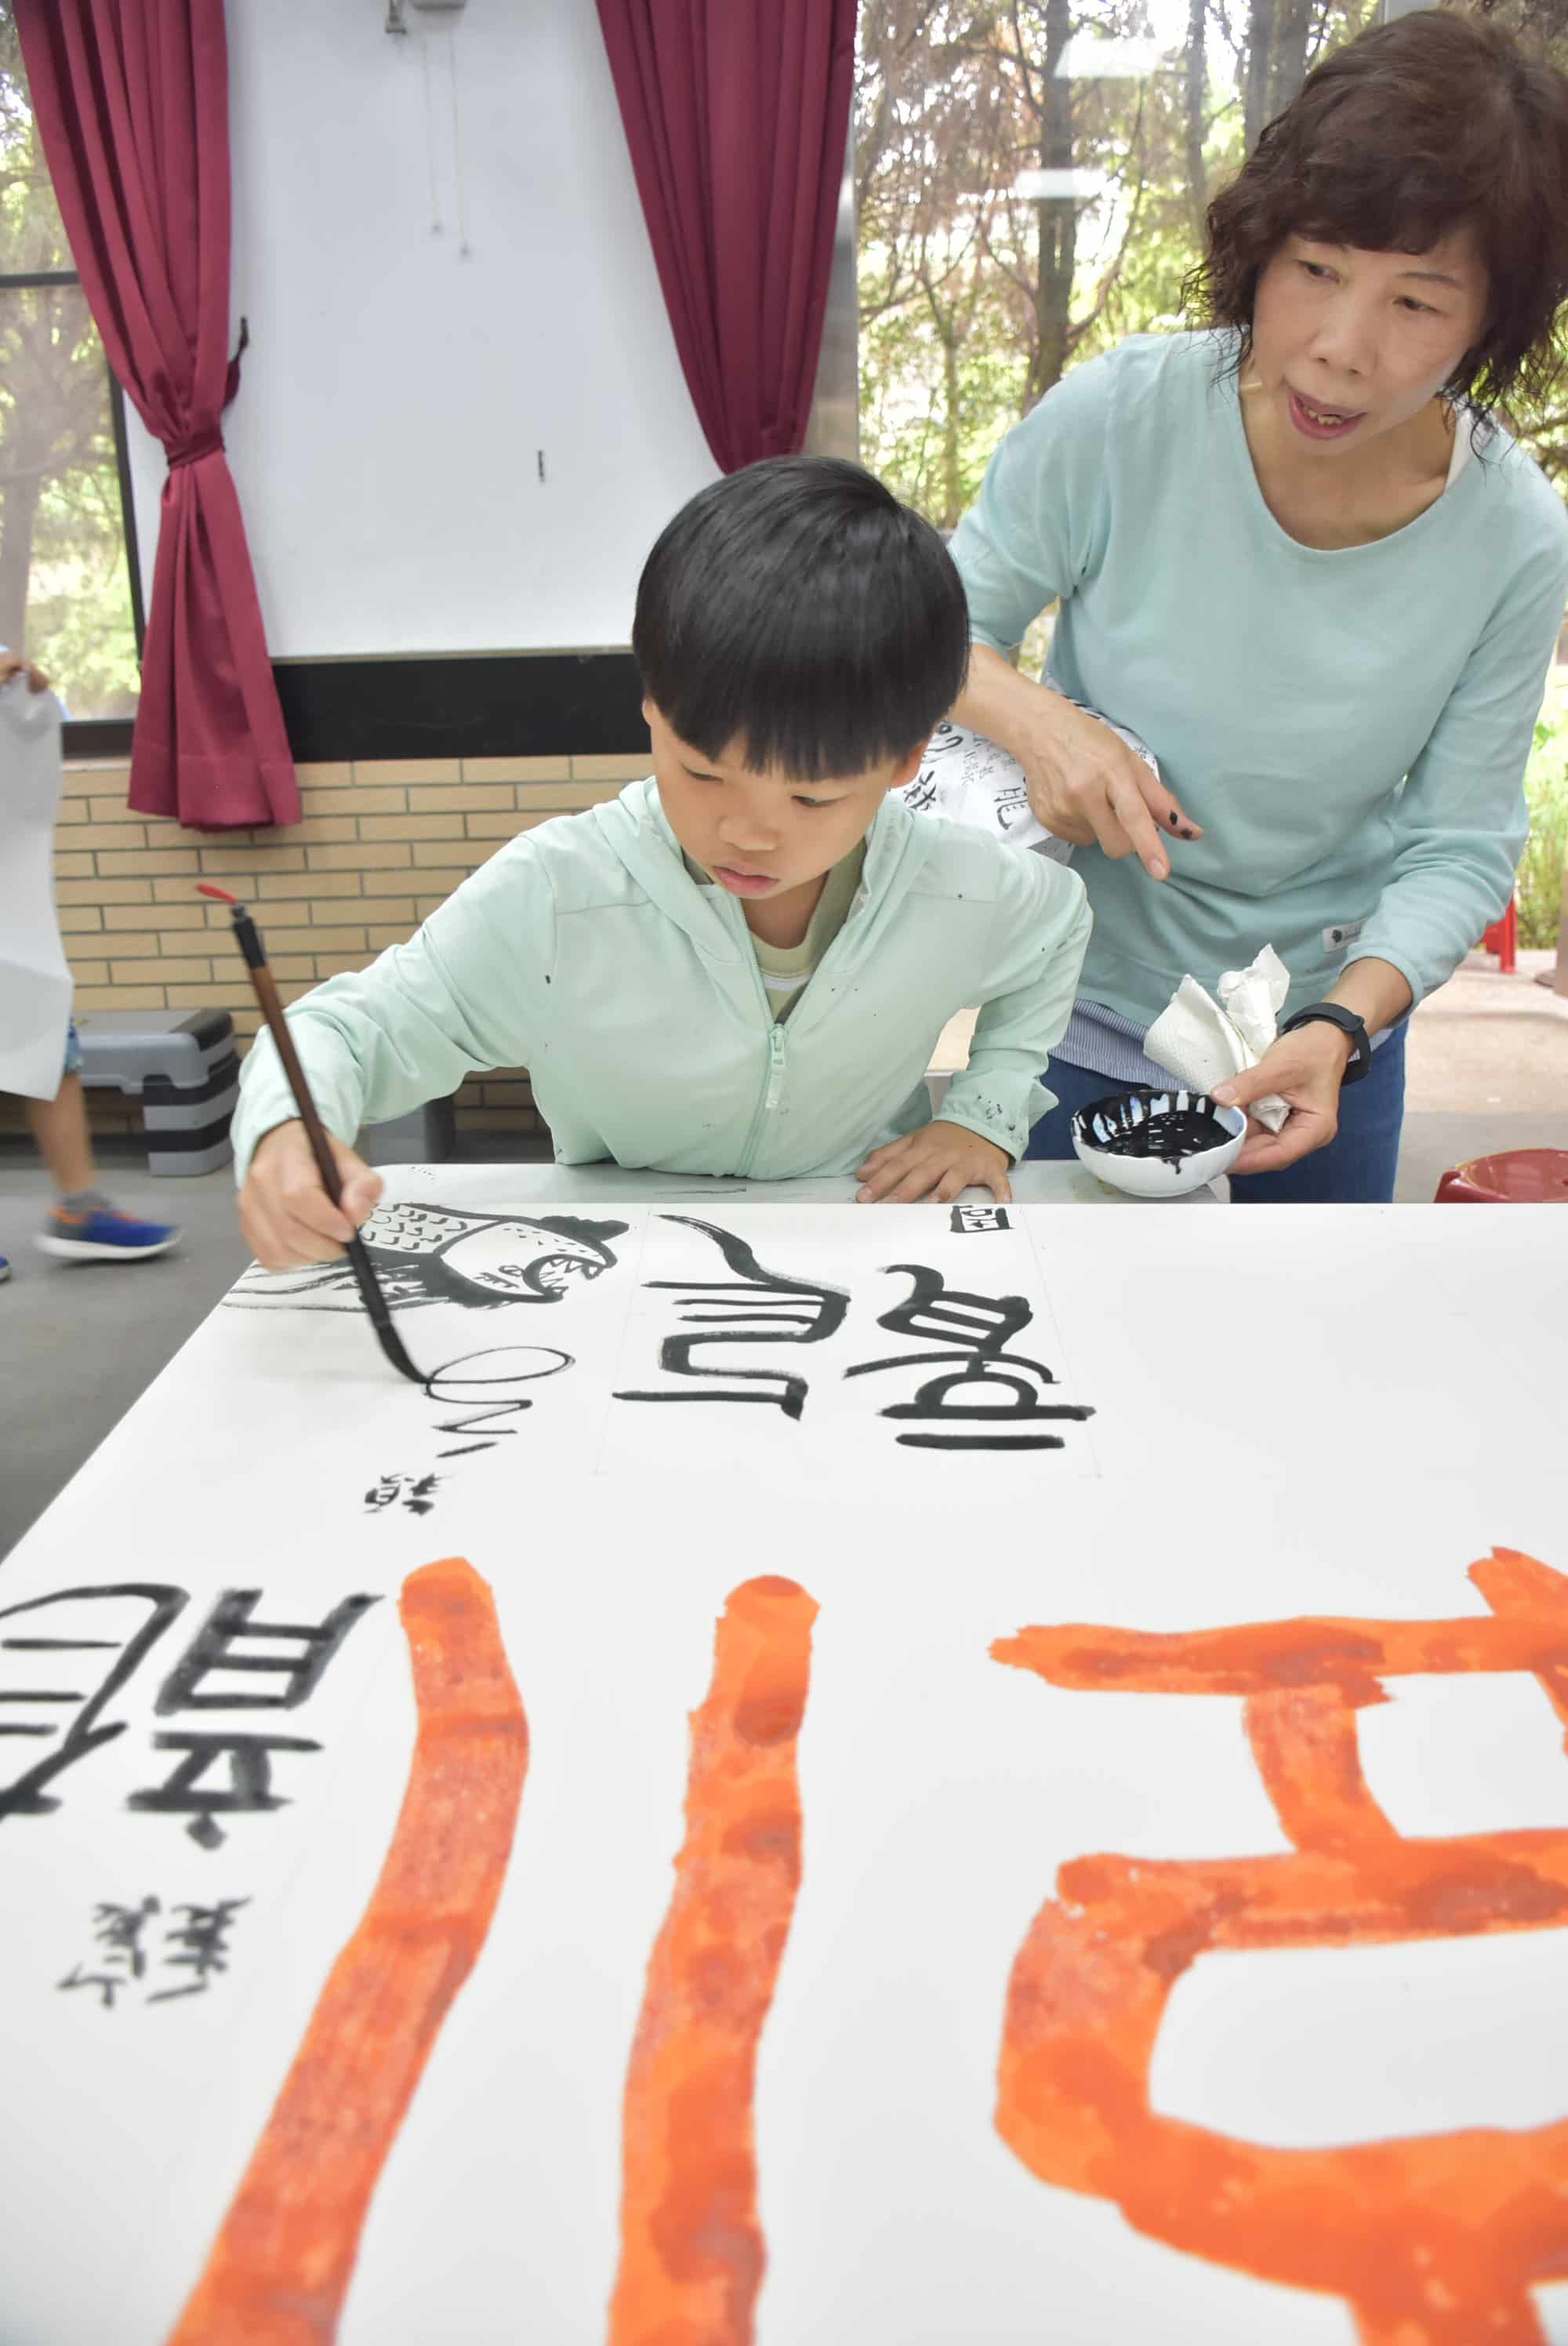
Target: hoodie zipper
<point x="773" y="1083"/>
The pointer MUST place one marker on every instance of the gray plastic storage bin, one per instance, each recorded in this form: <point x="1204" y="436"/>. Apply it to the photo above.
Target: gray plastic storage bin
<point x="182" y="1066"/>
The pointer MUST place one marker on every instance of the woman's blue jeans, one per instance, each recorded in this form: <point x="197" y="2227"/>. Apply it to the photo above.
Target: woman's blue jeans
<point x="1356" y="1169"/>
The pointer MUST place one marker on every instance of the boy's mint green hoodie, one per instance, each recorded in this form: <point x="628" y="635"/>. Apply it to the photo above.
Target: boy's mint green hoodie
<point x="584" y="953"/>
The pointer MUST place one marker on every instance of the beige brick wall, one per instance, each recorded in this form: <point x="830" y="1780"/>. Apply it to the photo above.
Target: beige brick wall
<point x="381" y="845"/>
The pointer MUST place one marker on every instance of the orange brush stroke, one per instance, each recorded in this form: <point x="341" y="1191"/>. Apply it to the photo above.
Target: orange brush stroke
<point x="284" y="2254"/>
<point x="691" y="2246"/>
<point x="1433" y="2240"/>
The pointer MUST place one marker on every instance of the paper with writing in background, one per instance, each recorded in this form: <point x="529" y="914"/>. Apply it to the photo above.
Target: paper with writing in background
<point x="34" y="982"/>
<point x="972" y="779"/>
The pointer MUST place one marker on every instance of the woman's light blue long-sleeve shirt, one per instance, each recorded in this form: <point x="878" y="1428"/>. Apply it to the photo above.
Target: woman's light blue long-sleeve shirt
<point x="1288" y="692"/>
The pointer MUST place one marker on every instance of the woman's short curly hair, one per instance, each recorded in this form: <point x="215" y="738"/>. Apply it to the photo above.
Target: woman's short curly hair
<point x="1411" y="130"/>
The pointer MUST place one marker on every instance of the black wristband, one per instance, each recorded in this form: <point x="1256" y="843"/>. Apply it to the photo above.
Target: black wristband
<point x="1334" y="1013"/>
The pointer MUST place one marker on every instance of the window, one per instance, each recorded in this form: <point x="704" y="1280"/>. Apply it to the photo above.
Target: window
<point x="1032" y="179"/>
<point x="69" y="594"/>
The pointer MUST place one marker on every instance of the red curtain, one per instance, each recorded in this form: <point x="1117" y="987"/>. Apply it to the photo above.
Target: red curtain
<point x="737" y="113"/>
<point x="131" y="100"/>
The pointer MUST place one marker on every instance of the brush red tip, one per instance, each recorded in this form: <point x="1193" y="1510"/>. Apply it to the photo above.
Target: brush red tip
<point x="205" y="888"/>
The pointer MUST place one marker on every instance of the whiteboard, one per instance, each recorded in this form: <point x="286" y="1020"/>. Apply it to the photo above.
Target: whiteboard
<point x="399" y="398"/>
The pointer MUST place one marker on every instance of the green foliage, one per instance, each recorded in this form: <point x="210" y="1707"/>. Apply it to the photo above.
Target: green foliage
<point x="64" y="593"/>
<point x="1539" y="885"/>
<point x="973" y="298"/>
<point x="31" y="233"/>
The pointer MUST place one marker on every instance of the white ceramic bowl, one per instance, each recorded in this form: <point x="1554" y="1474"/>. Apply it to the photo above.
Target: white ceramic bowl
<point x="1153" y="1177"/>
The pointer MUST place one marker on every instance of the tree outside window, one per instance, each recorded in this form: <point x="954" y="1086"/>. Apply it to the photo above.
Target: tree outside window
<point x="67" y="595"/>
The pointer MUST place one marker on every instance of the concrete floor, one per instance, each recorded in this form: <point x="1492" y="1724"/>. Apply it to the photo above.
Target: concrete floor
<point x="79" y="1342"/>
<point x="1486" y="1069"/>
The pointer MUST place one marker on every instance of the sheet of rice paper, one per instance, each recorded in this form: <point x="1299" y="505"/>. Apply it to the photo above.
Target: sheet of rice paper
<point x="969" y="778"/>
<point x="35" y="979"/>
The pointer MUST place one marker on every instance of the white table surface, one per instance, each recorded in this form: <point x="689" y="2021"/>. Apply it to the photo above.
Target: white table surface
<point x="1066" y="1183"/>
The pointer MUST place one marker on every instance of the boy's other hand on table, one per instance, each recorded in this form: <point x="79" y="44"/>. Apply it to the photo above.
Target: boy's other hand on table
<point x="936" y="1161"/>
<point x="286" y="1216"/>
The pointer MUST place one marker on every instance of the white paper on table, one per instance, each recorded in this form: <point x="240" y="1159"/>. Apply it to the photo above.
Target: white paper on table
<point x="35" y="981"/>
<point x="940" y="1791"/>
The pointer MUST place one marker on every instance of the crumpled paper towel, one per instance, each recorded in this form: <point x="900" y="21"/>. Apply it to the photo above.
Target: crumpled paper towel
<point x="1202" y="1041"/>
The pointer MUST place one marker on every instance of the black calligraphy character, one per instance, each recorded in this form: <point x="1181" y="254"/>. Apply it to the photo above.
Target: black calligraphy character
<point x="226" y="1626"/>
<point x="925" y="788"/>
<point x="975" y="1330"/>
<point x="215" y="1649"/>
<point x="202" y="1941"/>
<point x="24" y="1795"/>
<point x="108" y="1983"/>
<point x="420" y="1497"/>
<point x="248" y="1792"/>
<point x="119" y="1929"/>
<point x="118" y="1932"/>
<point x="765" y="1308"/>
<point x="980" y="1218"/>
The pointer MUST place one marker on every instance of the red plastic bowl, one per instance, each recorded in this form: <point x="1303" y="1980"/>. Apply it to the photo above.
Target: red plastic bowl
<point x="1515" y="1176"/>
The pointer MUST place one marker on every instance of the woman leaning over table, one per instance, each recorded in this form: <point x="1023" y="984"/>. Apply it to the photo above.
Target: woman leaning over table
<point x="1299" y="555"/>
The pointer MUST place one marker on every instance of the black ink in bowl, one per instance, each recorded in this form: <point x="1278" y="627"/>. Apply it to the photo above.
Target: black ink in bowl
<point x="1157" y="1143"/>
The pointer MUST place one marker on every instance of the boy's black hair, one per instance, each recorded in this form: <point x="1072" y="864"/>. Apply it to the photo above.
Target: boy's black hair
<point x="797" y="611"/>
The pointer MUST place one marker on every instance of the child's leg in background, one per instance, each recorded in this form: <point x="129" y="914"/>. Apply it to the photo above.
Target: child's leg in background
<point x="82" y="1226"/>
<point x="60" y="1128"/>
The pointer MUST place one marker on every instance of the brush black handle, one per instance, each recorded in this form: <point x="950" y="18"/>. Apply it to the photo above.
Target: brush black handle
<point x="375" y="1303"/>
<point x="266" y="991"/>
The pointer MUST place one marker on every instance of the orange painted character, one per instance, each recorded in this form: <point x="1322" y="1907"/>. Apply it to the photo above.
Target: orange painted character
<point x="1433" y="2240"/>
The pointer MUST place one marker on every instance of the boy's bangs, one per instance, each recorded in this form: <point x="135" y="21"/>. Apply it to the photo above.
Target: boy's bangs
<point x="802" y="712"/>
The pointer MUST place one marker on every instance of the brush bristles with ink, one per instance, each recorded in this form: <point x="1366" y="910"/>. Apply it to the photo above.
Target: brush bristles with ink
<point x="247" y="938"/>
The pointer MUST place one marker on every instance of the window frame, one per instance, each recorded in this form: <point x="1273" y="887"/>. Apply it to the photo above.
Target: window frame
<point x="100" y="736"/>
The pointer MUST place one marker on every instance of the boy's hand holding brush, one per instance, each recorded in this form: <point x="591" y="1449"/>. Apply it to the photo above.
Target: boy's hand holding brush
<point x="314" y="1192"/>
<point x="284" y="1211"/>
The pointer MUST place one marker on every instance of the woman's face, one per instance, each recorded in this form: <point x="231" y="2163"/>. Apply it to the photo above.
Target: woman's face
<point x="1348" y="344"/>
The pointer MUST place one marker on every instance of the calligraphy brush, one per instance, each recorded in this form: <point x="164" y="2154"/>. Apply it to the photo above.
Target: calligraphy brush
<point x="247" y="938"/>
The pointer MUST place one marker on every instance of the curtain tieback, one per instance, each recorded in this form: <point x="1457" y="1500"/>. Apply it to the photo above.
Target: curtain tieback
<point x="192" y="451"/>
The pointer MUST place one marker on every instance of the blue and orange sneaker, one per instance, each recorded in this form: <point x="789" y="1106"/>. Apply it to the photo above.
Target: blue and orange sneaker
<point x="4" y="1270"/>
<point x="101" y="1235"/>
